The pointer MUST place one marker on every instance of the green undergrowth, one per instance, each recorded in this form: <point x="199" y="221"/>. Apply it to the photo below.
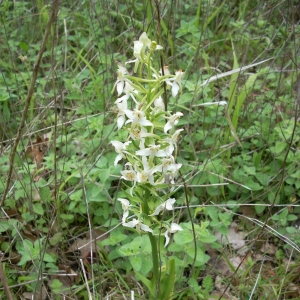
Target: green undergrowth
<point x="240" y="160"/>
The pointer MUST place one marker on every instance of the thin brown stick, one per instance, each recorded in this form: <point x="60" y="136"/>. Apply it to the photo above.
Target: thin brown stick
<point x="4" y="283"/>
<point x="53" y="14"/>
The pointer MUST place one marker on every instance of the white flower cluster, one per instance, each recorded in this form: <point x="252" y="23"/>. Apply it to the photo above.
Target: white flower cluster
<point x="151" y="144"/>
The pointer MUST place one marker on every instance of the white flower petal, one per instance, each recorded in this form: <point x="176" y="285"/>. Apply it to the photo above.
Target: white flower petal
<point x="118" y="158"/>
<point x="158" y="209"/>
<point x="120" y="87"/>
<point x="159" y="104"/>
<point x="125" y="215"/>
<point x="123" y="98"/>
<point x="168" y="126"/>
<point x="173" y="120"/>
<point x="121" y="121"/>
<point x="143" y="152"/>
<point x="146" y="228"/>
<point x="125" y="203"/>
<point x="144" y="39"/>
<point x="132" y="223"/>
<point x="167" y="238"/>
<point x="175" y="89"/>
<point x="131" y="61"/>
<point x="118" y="146"/>
<point x="169" y="203"/>
<point x="145" y="122"/>
<point x="139" y="225"/>
<point x="174" y="228"/>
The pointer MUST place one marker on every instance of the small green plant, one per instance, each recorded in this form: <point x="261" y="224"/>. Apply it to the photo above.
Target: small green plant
<point x="34" y="252"/>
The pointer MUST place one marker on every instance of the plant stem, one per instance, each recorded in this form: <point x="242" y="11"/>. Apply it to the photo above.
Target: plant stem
<point x="153" y="241"/>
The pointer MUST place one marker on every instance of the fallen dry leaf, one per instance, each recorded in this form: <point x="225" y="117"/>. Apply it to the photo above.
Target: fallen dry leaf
<point x="268" y="248"/>
<point x="36" y="150"/>
<point x="234" y="237"/>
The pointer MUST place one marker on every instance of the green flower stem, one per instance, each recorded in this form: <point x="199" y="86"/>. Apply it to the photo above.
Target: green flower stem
<point x="153" y="99"/>
<point x="138" y="79"/>
<point x="153" y="241"/>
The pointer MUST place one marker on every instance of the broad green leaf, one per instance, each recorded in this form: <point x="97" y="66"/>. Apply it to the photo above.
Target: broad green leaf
<point x="292" y="218"/>
<point x="254" y="186"/>
<point x="201" y="258"/>
<point x="279" y="147"/>
<point x="136" y="262"/>
<point x="104" y="175"/>
<point x="102" y="162"/>
<point x="205" y="236"/>
<point x="183" y="237"/>
<point x="125" y="250"/>
<point x="147" y="264"/>
<point x="38" y="208"/>
<point x="146" y="244"/>
<point x="56" y="238"/>
<point x="56" y="285"/>
<point x="249" y="170"/>
<point x="23" y="46"/>
<point x="175" y="247"/>
<point x="135" y="244"/>
<point x="66" y="217"/>
<point x="48" y="258"/>
<point x="259" y="208"/>
<point x="116" y="236"/>
<point x="45" y="193"/>
<point x="263" y="178"/>
<point x="4" y="226"/>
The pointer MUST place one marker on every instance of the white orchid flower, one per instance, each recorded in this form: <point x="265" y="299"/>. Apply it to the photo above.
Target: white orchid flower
<point x="122" y="106"/>
<point x="137" y="117"/>
<point x="147" y="175"/>
<point x="168" y="205"/>
<point x="125" y="206"/>
<point x="138" y="225"/>
<point x="129" y="92"/>
<point x="176" y="85"/>
<point x="152" y="151"/>
<point x="173" y="229"/>
<point x="172" y="141"/>
<point x="159" y="104"/>
<point x="139" y="133"/>
<point x="119" y="148"/>
<point x="140" y="47"/>
<point x="148" y="43"/>
<point x="125" y="203"/>
<point x="173" y="120"/>
<point x="129" y="175"/>
<point x="166" y="71"/>
<point x="169" y="166"/>
<point x="121" y="79"/>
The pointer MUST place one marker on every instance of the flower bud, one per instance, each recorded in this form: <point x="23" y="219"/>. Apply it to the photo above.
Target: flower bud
<point x="153" y="45"/>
